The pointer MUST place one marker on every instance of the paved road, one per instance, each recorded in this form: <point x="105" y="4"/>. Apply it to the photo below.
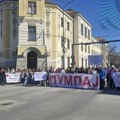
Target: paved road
<point x="46" y="103"/>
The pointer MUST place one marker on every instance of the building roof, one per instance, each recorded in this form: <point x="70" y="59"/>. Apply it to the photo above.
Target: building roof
<point x="49" y="2"/>
<point x="71" y="12"/>
<point x="100" y="39"/>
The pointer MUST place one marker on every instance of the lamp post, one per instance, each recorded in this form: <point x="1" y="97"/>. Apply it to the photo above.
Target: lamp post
<point x="64" y="50"/>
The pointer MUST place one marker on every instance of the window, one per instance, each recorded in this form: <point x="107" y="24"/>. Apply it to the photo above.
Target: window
<point x="85" y="48"/>
<point x="68" y="26"/>
<point x="68" y="61"/>
<point x="68" y="44"/>
<point x="31" y="7"/>
<point x="62" y="22"/>
<point x="81" y="29"/>
<point x="88" y="49"/>
<point x="1" y="25"/>
<point x="14" y="54"/>
<point x="62" y="41"/>
<point x="82" y="61"/>
<point x="86" y="63"/>
<point x="85" y="32"/>
<point x="81" y="47"/>
<point x="1" y="54"/>
<point x="6" y="54"/>
<point x="31" y="33"/>
<point x="89" y="34"/>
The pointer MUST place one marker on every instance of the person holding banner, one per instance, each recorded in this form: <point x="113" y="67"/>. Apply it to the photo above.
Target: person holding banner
<point x="28" y="78"/>
<point x="89" y="70"/>
<point x="82" y="70"/>
<point x="110" y="73"/>
<point x="22" y="77"/>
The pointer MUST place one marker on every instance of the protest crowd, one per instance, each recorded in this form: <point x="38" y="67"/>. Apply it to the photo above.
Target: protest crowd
<point x="27" y="75"/>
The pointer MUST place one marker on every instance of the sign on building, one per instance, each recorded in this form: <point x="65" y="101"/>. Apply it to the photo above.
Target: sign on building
<point x="95" y="59"/>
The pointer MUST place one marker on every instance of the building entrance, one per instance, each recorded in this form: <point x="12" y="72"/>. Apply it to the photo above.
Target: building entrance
<point x="32" y="60"/>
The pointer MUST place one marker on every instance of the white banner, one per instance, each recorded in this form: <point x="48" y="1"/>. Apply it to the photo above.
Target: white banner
<point x="75" y="80"/>
<point x="12" y="78"/>
<point x="39" y="76"/>
<point x="116" y="79"/>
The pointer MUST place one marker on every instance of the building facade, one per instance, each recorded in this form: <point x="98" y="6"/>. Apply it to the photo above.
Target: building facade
<point x="59" y="36"/>
<point x="22" y="33"/>
<point x="31" y="46"/>
<point x="96" y="48"/>
<point x="82" y="34"/>
<point x="8" y="32"/>
<point x="37" y="33"/>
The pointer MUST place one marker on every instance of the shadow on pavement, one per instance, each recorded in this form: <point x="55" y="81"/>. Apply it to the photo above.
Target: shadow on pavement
<point x="109" y="92"/>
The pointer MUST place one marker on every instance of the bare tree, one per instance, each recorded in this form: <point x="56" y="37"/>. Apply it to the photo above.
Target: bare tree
<point x="114" y="56"/>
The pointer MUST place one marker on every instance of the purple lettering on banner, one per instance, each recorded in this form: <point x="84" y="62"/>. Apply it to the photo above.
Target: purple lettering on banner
<point x="68" y="80"/>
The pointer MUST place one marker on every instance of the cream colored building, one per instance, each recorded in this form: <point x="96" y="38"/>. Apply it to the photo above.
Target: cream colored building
<point x="37" y="33"/>
<point x="59" y="27"/>
<point x="23" y="33"/>
<point x="33" y="33"/>
<point x="96" y="48"/>
<point x="82" y="34"/>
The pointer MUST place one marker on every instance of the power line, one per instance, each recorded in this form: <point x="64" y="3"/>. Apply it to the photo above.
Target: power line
<point x="102" y="42"/>
<point x="104" y="36"/>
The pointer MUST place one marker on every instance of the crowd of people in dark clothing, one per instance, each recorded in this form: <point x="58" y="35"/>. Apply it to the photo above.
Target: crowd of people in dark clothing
<point x="27" y="75"/>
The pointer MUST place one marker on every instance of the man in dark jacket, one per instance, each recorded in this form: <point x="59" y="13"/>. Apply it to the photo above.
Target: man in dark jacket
<point x="102" y="78"/>
<point x="3" y="77"/>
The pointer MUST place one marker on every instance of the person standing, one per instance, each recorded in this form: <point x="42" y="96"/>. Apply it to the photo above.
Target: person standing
<point x="110" y="79"/>
<point x="22" y="77"/>
<point x="102" y="78"/>
<point x="3" y="82"/>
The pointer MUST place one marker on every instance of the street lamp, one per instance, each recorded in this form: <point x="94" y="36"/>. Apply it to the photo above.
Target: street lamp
<point x="64" y="40"/>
